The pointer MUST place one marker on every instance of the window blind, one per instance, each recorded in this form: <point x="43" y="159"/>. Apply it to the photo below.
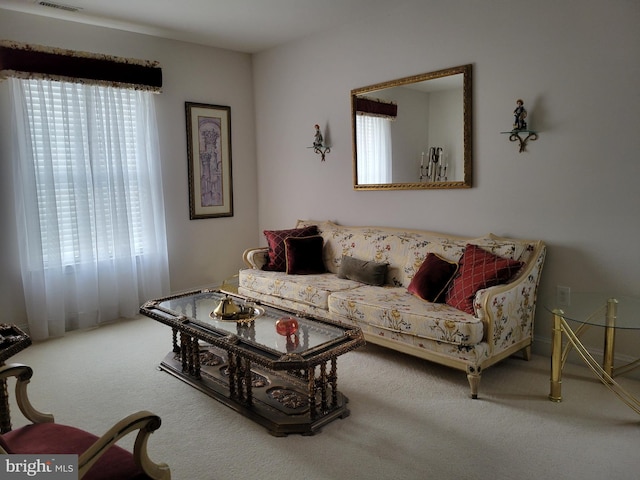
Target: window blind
<point x="84" y="144"/>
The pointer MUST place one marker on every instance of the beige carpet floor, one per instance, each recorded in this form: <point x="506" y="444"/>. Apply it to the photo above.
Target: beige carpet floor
<point x="410" y="419"/>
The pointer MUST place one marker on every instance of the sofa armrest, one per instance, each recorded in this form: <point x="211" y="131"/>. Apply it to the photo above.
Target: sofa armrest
<point x="508" y="311"/>
<point x="256" y="257"/>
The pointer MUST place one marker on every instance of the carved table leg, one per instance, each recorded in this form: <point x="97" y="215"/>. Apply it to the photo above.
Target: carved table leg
<point x="311" y="393"/>
<point x="184" y="342"/>
<point x="323" y="387"/>
<point x="195" y="357"/>
<point x="231" y="368"/>
<point x="5" y="415"/>
<point x="176" y="347"/>
<point x="248" y="384"/>
<point x="333" y="378"/>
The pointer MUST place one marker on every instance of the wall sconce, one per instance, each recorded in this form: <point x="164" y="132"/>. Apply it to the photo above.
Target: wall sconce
<point x="520" y="126"/>
<point x="319" y="146"/>
<point x="435" y="168"/>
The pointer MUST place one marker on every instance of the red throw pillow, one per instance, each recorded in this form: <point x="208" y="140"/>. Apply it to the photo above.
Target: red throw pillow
<point x="275" y="240"/>
<point x="478" y="269"/>
<point x="432" y="278"/>
<point x="304" y="255"/>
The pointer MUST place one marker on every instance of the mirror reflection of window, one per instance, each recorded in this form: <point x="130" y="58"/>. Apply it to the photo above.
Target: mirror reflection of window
<point x="425" y="110"/>
<point x="374" y="149"/>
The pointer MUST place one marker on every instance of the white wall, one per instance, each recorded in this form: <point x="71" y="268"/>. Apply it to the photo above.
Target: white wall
<point x="576" y="64"/>
<point x="201" y="252"/>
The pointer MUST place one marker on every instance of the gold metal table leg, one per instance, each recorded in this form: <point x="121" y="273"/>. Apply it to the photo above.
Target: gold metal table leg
<point x="561" y="327"/>
<point x="610" y="336"/>
<point x="555" y="393"/>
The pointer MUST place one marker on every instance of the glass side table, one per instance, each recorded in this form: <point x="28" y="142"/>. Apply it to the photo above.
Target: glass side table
<point x="588" y="310"/>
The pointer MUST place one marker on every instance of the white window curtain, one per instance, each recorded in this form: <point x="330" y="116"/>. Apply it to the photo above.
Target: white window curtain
<point x="89" y="203"/>
<point x="374" y="149"/>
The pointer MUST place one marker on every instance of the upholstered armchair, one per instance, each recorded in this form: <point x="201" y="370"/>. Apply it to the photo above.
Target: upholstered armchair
<point x="98" y="457"/>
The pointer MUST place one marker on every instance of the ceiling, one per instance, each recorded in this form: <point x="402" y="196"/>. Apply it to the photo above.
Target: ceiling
<point x="242" y="25"/>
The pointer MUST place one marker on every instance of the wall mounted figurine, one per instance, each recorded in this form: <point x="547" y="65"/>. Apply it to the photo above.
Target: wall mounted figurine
<point x="520" y="126"/>
<point x="318" y="143"/>
<point x="520" y="113"/>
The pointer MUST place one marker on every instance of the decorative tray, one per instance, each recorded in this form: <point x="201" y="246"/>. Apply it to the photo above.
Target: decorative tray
<point x="241" y="317"/>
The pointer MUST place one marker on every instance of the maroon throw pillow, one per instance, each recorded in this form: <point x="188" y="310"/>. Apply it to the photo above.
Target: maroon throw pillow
<point x="432" y="278"/>
<point x="275" y="240"/>
<point x="304" y="255"/>
<point x="478" y="269"/>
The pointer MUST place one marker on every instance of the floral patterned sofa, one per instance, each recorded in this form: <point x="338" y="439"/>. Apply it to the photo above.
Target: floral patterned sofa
<point x="499" y="317"/>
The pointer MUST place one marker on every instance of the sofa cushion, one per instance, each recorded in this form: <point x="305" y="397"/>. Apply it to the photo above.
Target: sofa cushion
<point x="432" y="278"/>
<point x="365" y="271"/>
<point x="275" y="241"/>
<point x="394" y="309"/>
<point x="478" y="269"/>
<point x="368" y="243"/>
<point x="313" y="289"/>
<point x="304" y="255"/>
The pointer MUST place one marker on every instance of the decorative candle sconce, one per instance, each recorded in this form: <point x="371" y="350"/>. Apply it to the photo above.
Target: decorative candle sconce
<point x="319" y="146"/>
<point x="435" y="168"/>
<point x="520" y="126"/>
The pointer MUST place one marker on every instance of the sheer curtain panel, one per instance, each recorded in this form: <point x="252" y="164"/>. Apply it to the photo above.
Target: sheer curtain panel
<point x="89" y="203"/>
<point x="374" y="149"/>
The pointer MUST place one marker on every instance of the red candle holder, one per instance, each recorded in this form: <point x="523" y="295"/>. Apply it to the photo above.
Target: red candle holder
<point x="286" y="326"/>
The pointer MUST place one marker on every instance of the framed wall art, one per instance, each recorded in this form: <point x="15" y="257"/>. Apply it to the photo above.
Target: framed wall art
<point x="209" y="159"/>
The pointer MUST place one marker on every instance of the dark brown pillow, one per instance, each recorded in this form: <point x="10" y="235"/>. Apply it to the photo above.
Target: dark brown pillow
<point x="275" y="240"/>
<point x="432" y="278"/>
<point x="364" y="271"/>
<point x="304" y="255"/>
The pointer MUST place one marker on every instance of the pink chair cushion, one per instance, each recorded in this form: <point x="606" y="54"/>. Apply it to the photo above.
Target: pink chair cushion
<point x="52" y="438"/>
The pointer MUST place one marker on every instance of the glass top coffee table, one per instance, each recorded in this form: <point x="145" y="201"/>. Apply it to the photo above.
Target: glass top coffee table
<point x="273" y="366"/>
<point x="587" y="310"/>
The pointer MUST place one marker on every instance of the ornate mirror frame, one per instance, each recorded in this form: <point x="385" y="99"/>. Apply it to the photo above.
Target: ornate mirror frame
<point x="467" y="147"/>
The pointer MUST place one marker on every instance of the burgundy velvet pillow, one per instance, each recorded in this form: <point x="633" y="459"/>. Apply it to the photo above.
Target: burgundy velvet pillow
<point x="432" y="278"/>
<point x="275" y="240"/>
<point x="304" y="255"/>
<point x="478" y="269"/>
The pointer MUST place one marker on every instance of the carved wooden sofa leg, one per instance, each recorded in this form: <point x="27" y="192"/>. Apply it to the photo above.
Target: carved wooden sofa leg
<point x="526" y="353"/>
<point x="473" y="375"/>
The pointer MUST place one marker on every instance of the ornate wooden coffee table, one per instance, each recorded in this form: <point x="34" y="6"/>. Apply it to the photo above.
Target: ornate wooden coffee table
<point x="283" y="375"/>
<point x="12" y="341"/>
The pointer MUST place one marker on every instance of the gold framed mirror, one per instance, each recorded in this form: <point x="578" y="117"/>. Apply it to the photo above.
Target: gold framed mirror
<point x="414" y="132"/>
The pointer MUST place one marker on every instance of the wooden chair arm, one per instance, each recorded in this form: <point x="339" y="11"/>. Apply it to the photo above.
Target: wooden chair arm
<point x="23" y="374"/>
<point x="144" y="421"/>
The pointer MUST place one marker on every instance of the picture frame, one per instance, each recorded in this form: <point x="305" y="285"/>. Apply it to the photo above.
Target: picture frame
<point x="209" y="160"/>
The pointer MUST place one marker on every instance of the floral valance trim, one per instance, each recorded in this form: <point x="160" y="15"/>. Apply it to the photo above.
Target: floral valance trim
<point x="36" y="61"/>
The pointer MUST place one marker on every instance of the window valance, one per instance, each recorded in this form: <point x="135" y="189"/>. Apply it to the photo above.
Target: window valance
<point x="35" y="61"/>
<point x="375" y="107"/>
